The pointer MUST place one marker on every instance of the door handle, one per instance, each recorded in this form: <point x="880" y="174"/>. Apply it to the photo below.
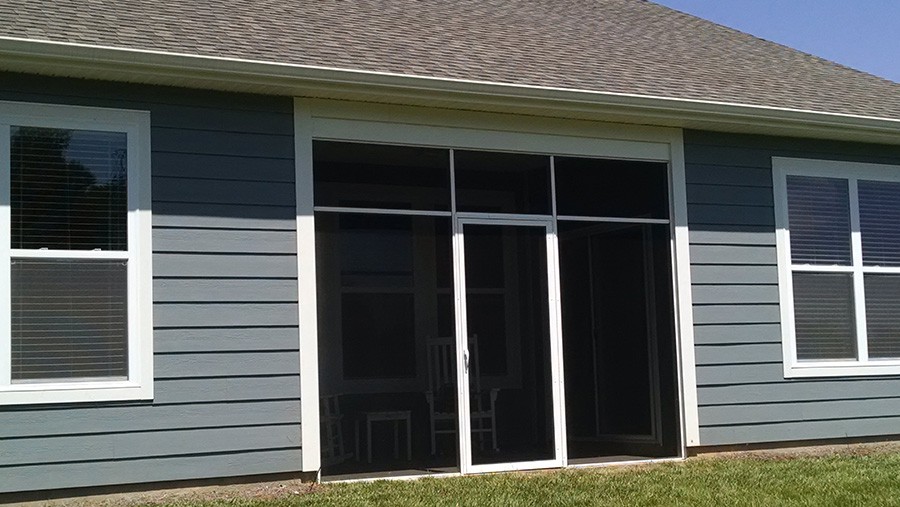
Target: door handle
<point x="466" y="359"/>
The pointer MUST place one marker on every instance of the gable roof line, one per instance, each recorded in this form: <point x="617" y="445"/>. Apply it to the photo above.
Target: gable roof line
<point x="192" y="70"/>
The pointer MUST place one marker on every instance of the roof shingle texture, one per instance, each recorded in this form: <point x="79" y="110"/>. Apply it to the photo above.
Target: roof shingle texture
<point x="622" y="46"/>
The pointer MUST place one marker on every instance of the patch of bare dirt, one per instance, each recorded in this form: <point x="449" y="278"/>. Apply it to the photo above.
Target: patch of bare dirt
<point x="816" y="451"/>
<point x="247" y="491"/>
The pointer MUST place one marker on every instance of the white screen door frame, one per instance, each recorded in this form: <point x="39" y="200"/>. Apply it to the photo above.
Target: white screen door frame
<point x="462" y="342"/>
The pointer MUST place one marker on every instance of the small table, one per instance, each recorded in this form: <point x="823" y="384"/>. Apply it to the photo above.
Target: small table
<point x="396" y="417"/>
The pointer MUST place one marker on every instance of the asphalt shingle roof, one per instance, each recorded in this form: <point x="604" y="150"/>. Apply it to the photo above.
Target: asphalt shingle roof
<point x="623" y="46"/>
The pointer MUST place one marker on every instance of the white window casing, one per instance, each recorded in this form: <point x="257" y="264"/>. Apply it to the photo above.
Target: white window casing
<point x="138" y="382"/>
<point x="851" y="173"/>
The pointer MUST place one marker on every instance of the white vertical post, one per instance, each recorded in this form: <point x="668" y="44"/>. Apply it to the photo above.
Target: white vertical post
<point x="462" y="341"/>
<point x="306" y="289"/>
<point x="687" y="371"/>
<point x="557" y="365"/>
<point x="5" y="290"/>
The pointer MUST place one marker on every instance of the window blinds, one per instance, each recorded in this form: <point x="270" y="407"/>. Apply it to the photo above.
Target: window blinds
<point x="823" y="316"/>
<point x="69" y="311"/>
<point x="69" y="319"/>
<point x="819" y="220"/>
<point x="68" y="189"/>
<point x="879" y="221"/>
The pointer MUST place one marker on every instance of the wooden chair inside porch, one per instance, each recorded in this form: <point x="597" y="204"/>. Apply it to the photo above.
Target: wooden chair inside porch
<point x="441" y="394"/>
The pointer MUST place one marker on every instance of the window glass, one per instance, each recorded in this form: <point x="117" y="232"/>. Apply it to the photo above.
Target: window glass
<point x="376" y="250"/>
<point x="883" y="315"/>
<point x="611" y="188"/>
<point x="823" y="316"/>
<point x="494" y="182"/>
<point x="68" y="189"/>
<point x="378" y="290"/>
<point x="879" y="221"/>
<point x="379" y="176"/>
<point x="377" y="295"/>
<point x="69" y="319"/>
<point x="819" y="220"/>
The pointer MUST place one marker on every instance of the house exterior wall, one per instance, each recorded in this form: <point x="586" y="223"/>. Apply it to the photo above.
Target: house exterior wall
<point x="227" y="393"/>
<point x="227" y="366"/>
<point x="743" y="396"/>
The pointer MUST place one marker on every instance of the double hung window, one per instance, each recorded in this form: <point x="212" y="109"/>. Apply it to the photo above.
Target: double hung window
<point x="75" y="321"/>
<point x="838" y="236"/>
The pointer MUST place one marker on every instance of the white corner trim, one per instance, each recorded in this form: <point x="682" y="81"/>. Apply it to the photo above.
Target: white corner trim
<point x="306" y="289"/>
<point x="139" y="383"/>
<point x="782" y="167"/>
<point x="684" y="305"/>
<point x="179" y="69"/>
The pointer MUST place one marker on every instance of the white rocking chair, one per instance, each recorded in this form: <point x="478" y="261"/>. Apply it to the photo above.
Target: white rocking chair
<point x="331" y="421"/>
<point x="441" y="394"/>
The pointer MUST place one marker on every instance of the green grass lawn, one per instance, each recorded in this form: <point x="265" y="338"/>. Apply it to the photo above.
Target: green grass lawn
<point x="839" y="480"/>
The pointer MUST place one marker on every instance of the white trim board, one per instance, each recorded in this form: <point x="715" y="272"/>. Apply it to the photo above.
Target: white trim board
<point x="174" y="69"/>
<point x="422" y="126"/>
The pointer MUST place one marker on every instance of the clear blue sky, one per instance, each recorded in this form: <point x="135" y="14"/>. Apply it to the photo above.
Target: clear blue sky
<point x="863" y="34"/>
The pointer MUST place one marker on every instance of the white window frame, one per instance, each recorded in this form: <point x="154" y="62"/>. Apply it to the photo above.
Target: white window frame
<point x="136" y="126"/>
<point x="852" y="172"/>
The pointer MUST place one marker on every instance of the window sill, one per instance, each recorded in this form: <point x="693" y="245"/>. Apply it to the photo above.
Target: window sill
<point x="844" y="369"/>
<point x="74" y="392"/>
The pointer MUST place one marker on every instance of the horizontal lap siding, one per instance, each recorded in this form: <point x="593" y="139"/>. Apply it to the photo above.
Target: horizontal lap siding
<point x="742" y="392"/>
<point x="225" y="304"/>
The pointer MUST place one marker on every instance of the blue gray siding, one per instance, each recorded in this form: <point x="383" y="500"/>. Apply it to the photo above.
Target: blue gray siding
<point x="742" y="392"/>
<point x="225" y="304"/>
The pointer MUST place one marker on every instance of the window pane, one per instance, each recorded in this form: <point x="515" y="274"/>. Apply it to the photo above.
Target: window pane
<point x="378" y="290"/>
<point x="68" y="189"/>
<point x="378" y="176"/>
<point x="611" y="188"/>
<point x="883" y="315"/>
<point x="879" y="221"/>
<point x="819" y="220"/>
<point x="378" y="337"/>
<point x="69" y="319"/>
<point x="502" y="182"/>
<point x="823" y="316"/>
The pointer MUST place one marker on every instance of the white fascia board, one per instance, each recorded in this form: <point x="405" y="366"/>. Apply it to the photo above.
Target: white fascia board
<point x="232" y="74"/>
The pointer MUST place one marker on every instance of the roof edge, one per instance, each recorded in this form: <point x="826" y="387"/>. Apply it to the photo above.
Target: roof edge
<point x="232" y="74"/>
